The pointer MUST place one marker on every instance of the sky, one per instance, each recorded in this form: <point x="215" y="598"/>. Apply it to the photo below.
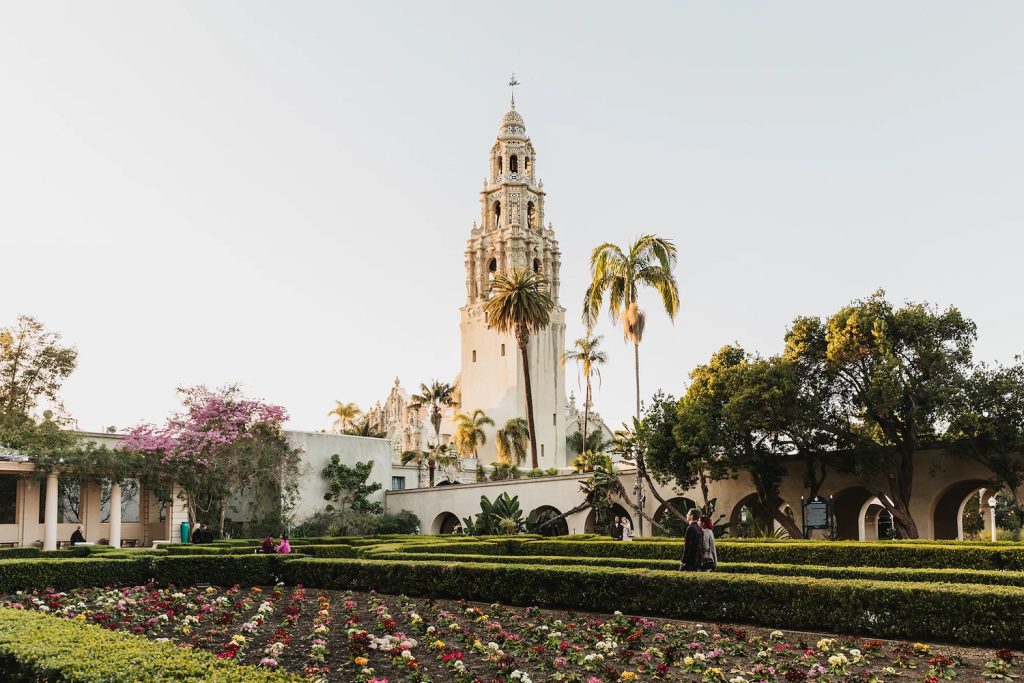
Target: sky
<point x="279" y="194"/>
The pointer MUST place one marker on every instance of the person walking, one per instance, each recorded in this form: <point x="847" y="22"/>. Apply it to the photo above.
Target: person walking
<point x="627" y="530"/>
<point x="616" y="529"/>
<point x="709" y="562"/>
<point x="693" y="543"/>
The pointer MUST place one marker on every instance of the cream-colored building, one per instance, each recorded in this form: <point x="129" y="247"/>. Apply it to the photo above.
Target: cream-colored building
<point x="511" y="233"/>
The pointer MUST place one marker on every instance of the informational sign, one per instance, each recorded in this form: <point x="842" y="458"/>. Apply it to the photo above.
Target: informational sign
<point x="816" y="513"/>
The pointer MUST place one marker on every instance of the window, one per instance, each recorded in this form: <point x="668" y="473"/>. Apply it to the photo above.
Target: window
<point x="531" y="214"/>
<point x="497" y="214"/>
<point x="69" y="499"/>
<point x="503" y="349"/>
<point x="526" y="164"/>
<point x="397" y="483"/>
<point x="513" y="164"/>
<point x="554" y="419"/>
<point x="499" y="166"/>
<point x="8" y="498"/>
<point x="129" y="501"/>
<point x="474" y="355"/>
<point x="536" y="265"/>
<point x="542" y="450"/>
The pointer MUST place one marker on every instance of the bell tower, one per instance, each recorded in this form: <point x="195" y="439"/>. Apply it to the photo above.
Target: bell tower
<point x="511" y="234"/>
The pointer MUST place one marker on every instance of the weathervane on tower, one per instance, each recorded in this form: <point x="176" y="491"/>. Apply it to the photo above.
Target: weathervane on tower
<point x="512" y="83"/>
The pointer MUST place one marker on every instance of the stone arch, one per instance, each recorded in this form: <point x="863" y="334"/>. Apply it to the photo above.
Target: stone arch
<point x="559" y="528"/>
<point x="749" y="511"/>
<point x="444" y="523"/>
<point x="664" y="517"/>
<point x="591" y="526"/>
<point x="949" y="506"/>
<point x="531" y="214"/>
<point x="875" y="522"/>
<point x="848" y="508"/>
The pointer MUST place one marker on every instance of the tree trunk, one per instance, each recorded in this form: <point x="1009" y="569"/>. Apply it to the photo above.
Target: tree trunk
<point x="529" y="401"/>
<point x="586" y="415"/>
<point x="430" y="468"/>
<point x="223" y="513"/>
<point x="636" y="368"/>
<point x="668" y="506"/>
<point x="641" y="470"/>
<point x="788" y="523"/>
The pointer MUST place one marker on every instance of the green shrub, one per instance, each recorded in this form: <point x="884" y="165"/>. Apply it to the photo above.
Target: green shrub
<point x="26" y="574"/>
<point x="982" y="615"/>
<point x="30" y="551"/>
<point x="962" y="576"/>
<point x="328" y="550"/>
<point x="35" y="646"/>
<point x="824" y="553"/>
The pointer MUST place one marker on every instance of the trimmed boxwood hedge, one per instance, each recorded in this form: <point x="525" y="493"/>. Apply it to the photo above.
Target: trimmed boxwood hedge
<point x="36" y="646"/>
<point x="30" y="551"/>
<point x="968" y="576"/>
<point x="823" y="553"/>
<point x="970" y="614"/>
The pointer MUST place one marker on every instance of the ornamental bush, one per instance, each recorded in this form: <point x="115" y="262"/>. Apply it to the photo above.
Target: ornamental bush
<point x="35" y="646"/>
<point x="970" y="614"/>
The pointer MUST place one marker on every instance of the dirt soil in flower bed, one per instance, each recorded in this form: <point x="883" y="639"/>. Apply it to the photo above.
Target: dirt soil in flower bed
<point x="346" y="636"/>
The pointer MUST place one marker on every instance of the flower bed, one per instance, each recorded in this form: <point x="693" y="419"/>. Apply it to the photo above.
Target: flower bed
<point x="369" y="637"/>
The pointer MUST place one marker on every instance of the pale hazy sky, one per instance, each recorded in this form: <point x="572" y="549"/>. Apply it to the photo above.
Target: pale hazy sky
<point x="279" y="194"/>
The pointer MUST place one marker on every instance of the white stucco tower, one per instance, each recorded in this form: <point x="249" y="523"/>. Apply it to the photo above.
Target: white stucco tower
<point x="511" y="234"/>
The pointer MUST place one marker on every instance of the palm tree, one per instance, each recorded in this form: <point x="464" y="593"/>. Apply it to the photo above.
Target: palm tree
<point x="344" y="415"/>
<point x="469" y="432"/>
<point x="620" y="275"/>
<point x="595" y="442"/>
<point x="438" y="456"/>
<point x="589" y="358"/>
<point x="420" y="458"/>
<point x="511" y="441"/>
<point x="521" y="305"/>
<point x="438" y="394"/>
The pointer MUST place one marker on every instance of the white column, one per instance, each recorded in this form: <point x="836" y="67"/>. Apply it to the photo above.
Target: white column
<point x="50" y="519"/>
<point x="115" y="514"/>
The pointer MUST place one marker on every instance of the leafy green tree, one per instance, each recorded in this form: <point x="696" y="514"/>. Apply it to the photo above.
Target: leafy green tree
<point x="363" y="427"/>
<point x="348" y="487"/>
<point x="33" y="367"/>
<point x="501" y="517"/>
<point x="987" y="423"/>
<point x="521" y="305"/>
<point x="735" y="412"/>
<point x="438" y="396"/>
<point x="668" y="462"/>
<point x="469" y="432"/>
<point x="893" y="375"/>
<point x="589" y="358"/>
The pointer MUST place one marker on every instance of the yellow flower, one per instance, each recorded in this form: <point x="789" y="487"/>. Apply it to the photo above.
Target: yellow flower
<point x="628" y="676"/>
<point x="437" y="645"/>
<point x="921" y="648"/>
<point x="361" y="661"/>
<point x="80" y="617"/>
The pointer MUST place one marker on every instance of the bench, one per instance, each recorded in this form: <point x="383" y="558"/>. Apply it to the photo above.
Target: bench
<point x="129" y="543"/>
<point x="9" y="544"/>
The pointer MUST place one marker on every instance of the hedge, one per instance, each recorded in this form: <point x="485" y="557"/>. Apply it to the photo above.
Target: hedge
<point x="36" y="646"/>
<point x="31" y="551"/>
<point x="824" y="553"/>
<point x="960" y="576"/>
<point x="969" y="614"/>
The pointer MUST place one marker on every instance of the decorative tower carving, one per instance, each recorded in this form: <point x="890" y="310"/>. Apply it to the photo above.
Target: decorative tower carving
<point x="511" y="234"/>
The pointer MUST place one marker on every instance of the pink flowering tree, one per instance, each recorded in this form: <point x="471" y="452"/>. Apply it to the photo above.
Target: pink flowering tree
<point x="221" y="446"/>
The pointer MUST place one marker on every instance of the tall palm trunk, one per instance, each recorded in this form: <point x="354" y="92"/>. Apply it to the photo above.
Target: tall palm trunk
<point x="523" y="337"/>
<point x="430" y="468"/>
<point x="586" y="415"/>
<point x="641" y="471"/>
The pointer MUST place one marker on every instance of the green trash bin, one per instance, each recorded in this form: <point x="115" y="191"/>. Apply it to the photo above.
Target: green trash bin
<point x="184" y="532"/>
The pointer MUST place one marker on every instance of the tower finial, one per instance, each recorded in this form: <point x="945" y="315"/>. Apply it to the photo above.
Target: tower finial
<point x="512" y="83"/>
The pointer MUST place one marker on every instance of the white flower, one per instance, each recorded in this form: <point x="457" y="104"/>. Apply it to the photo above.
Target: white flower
<point x="738" y="679"/>
<point x="776" y="635"/>
<point x="699" y="657"/>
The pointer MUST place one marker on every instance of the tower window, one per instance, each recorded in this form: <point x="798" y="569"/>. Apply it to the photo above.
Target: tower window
<point x="513" y="164"/>
<point x="554" y="419"/>
<point x="474" y="355"/>
<point x="526" y="164"/>
<point x="499" y="165"/>
<point x="542" y="450"/>
<point x="531" y="214"/>
<point x="503" y="349"/>
<point x="536" y="265"/>
<point x="497" y="214"/>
